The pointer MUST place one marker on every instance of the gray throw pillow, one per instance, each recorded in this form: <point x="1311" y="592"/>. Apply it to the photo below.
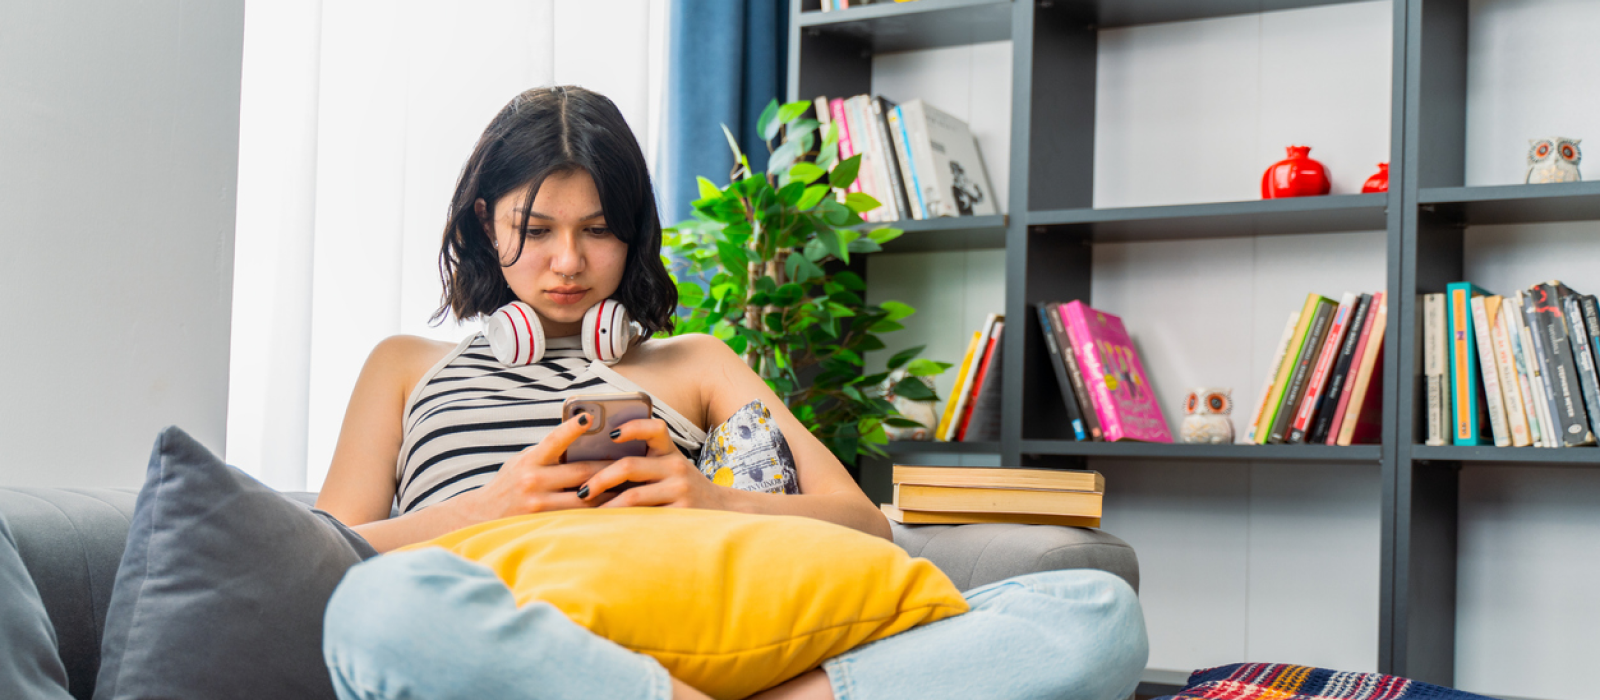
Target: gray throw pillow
<point x="221" y="590"/>
<point x="30" y="669"/>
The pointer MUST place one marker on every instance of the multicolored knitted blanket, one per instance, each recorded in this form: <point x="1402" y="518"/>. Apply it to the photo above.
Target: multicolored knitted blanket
<point x="1285" y="682"/>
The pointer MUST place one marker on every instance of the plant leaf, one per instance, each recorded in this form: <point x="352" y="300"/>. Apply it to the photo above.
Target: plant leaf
<point x="766" y="124"/>
<point x="897" y="310"/>
<point x="708" y="190"/>
<point x="903" y="422"/>
<point x="926" y="368"/>
<point x="884" y="235"/>
<point x="900" y="358"/>
<point x="861" y="202"/>
<point x="850" y="280"/>
<point x="814" y="194"/>
<point x="830" y="241"/>
<point x="914" y="390"/>
<point x="792" y="111"/>
<point x="845" y="172"/>
<point x="805" y="172"/>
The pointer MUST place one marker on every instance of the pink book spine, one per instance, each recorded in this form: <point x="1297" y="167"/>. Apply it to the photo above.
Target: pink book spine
<point x="1104" y="350"/>
<point x="1319" y="374"/>
<point x="847" y="145"/>
<point x="1361" y="351"/>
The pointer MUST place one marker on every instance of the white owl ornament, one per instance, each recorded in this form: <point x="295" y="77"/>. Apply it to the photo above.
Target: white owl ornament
<point x="1553" y="159"/>
<point x="1205" y="419"/>
<point x="924" y="412"/>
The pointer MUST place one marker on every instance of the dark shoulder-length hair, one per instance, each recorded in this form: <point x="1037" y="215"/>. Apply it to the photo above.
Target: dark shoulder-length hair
<point x="542" y="132"/>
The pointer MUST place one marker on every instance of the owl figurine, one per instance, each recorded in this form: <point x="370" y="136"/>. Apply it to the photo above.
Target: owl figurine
<point x="924" y="412"/>
<point x="1205" y="419"/>
<point x="1553" y="159"/>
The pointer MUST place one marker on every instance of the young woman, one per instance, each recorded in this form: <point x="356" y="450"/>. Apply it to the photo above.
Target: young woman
<point x="555" y="209"/>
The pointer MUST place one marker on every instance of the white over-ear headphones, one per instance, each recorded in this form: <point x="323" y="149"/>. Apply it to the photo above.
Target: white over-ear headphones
<point x="517" y="338"/>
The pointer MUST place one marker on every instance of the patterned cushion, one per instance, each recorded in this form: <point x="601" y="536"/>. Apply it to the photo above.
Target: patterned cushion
<point x="748" y="452"/>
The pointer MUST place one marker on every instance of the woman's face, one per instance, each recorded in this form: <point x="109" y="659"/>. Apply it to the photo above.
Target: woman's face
<point x="570" y="259"/>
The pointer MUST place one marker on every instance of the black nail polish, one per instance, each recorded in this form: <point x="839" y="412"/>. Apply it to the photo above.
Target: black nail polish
<point x="583" y="419"/>
<point x="616" y="433"/>
<point x="583" y="492"/>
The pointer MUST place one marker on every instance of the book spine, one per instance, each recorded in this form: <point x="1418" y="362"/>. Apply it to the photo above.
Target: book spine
<point x="1343" y="402"/>
<point x="1272" y="376"/>
<point x="1371" y="374"/>
<point x="1494" y="398"/>
<point x="1279" y="385"/>
<point x="1536" y="369"/>
<point x="1585" y="361"/>
<point x="1296" y="388"/>
<point x="1341" y="371"/>
<point x="1591" y="320"/>
<point x="908" y="167"/>
<point x="1572" y="419"/>
<point x="1510" y="311"/>
<point x="1433" y="361"/>
<point x="1510" y="389"/>
<point x="922" y="161"/>
<point x="861" y="141"/>
<point x="1463" y="381"/>
<point x="1091" y="421"/>
<point x="847" y="145"/>
<point x="891" y="159"/>
<point x="1094" y="370"/>
<point x="983" y="414"/>
<point x="1063" y="381"/>
<point x="964" y="398"/>
<point x="955" y="389"/>
<point x="1319" y="373"/>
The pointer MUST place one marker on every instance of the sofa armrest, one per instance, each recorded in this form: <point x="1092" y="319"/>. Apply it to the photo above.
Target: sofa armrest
<point x="974" y="555"/>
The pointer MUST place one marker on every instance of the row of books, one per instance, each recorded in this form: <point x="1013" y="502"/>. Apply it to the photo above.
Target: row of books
<point x="830" y="5"/>
<point x="962" y="495"/>
<point x="1100" y="375"/>
<point x="972" y="413"/>
<point x="1523" y="364"/>
<point x="917" y="161"/>
<point x="1326" y="383"/>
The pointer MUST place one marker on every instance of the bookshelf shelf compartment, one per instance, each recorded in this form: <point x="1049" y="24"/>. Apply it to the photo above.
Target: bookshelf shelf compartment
<point x="1567" y="456"/>
<point x="1515" y="204"/>
<point x="1235" y="453"/>
<point x="1328" y="214"/>
<point x="907" y="447"/>
<point x="923" y="24"/>
<point x="947" y="233"/>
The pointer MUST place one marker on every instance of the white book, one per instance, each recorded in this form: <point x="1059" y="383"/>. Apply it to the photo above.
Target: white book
<point x="962" y="394"/>
<point x="1491" y="374"/>
<point x="952" y="176"/>
<point x="860" y="139"/>
<point x="883" y="161"/>
<point x="1272" y="376"/>
<point x="1433" y="363"/>
<point x="1519" y="361"/>
<point x="1510" y="389"/>
<point x="908" y="170"/>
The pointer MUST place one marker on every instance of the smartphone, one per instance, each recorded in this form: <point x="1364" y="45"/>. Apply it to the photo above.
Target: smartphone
<point x="606" y="412"/>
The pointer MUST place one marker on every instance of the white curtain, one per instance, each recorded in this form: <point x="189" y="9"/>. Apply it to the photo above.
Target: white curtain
<point x="355" y="119"/>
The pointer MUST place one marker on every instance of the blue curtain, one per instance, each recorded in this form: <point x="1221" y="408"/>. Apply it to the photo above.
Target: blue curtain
<point x="726" y="63"/>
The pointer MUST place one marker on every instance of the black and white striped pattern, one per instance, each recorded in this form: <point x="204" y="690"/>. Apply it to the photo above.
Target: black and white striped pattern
<point x="470" y="414"/>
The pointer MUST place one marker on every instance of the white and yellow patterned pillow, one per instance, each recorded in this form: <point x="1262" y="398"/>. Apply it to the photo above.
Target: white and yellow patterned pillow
<point x="748" y="452"/>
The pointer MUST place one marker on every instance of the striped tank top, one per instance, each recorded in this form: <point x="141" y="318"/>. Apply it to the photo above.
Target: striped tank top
<point x="470" y="414"/>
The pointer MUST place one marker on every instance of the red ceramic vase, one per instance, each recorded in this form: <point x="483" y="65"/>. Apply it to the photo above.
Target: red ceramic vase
<point x="1295" y="176"/>
<point x="1379" y="182"/>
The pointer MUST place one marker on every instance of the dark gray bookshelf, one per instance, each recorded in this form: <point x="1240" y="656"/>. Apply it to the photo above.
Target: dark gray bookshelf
<point x="950" y="233"/>
<point x="1049" y="237"/>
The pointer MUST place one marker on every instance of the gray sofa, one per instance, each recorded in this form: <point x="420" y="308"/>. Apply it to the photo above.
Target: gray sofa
<point x="71" y="541"/>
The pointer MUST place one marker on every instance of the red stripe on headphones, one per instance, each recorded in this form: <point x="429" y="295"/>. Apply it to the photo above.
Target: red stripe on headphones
<point x="527" y="325"/>
<point x="599" y="322"/>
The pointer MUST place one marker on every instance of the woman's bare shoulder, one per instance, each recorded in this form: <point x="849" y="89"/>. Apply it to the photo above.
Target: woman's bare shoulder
<point x="407" y="357"/>
<point x="696" y="348"/>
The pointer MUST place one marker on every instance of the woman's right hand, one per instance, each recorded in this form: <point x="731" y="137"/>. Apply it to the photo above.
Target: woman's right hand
<point x="534" y="480"/>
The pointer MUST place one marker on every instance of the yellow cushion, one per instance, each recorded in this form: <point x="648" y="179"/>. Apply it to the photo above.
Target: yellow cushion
<point x="729" y="603"/>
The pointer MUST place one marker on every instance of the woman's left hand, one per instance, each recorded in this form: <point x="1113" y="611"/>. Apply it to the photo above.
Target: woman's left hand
<point x="664" y="476"/>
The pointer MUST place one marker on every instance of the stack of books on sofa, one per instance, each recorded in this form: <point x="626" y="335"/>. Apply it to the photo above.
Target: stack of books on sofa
<point x="963" y="495"/>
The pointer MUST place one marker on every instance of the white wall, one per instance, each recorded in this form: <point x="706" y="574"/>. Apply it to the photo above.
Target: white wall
<point x="1250" y="562"/>
<point x="118" y="153"/>
<point x="359" y="115"/>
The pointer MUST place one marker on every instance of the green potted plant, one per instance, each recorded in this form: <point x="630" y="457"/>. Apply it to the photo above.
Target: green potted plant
<point x="762" y="265"/>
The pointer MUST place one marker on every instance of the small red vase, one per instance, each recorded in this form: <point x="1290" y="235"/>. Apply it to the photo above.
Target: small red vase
<point x="1295" y="176"/>
<point x="1379" y="182"/>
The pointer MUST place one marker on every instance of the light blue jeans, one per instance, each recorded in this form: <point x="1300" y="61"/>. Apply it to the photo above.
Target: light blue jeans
<point x="429" y="625"/>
